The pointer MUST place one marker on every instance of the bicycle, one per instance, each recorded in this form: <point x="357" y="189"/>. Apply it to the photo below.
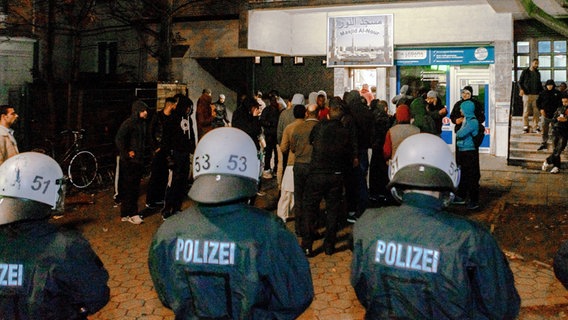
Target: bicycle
<point x="79" y="165"/>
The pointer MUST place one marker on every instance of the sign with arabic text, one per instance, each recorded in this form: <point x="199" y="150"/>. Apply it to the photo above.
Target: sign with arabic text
<point x="364" y="41"/>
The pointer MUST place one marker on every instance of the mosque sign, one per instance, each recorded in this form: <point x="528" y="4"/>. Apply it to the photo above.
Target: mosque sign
<point x="365" y="41"/>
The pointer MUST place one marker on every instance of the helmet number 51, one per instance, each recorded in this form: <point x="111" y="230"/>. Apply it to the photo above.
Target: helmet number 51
<point x="38" y="182"/>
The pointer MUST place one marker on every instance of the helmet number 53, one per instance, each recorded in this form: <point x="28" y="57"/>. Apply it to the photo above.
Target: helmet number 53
<point x="202" y="162"/>
<point x="236" y="162"/>
<point x="39" y="183"/>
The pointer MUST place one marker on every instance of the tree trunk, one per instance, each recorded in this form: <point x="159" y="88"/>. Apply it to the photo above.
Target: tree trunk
<point x="72" y="95"/>
<point x="50" y="79"/>
<point x="165" y="45"/>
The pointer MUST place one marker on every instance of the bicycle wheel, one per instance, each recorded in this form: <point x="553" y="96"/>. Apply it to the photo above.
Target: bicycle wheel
<point x="82" y="169"/>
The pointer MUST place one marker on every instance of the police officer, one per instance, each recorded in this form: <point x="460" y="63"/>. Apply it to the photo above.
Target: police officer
<point x="417" y="261"/>
<point x="45" y="273"/>
<point x="222" y="258"/>
<point x="560" y="264"/>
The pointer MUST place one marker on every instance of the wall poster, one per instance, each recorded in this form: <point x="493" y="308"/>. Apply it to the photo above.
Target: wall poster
<point x="360" y="41"/>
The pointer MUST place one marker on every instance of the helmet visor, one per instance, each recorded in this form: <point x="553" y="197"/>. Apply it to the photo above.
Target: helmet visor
<point x="216" y="188"/>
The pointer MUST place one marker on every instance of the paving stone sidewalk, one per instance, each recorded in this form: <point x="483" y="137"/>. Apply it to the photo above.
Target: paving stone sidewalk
<point x="124" y="250"/>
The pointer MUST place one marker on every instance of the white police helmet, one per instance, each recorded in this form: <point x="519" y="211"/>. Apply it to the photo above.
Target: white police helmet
<point x="29" y="176"/>
<point x="424" y="161"/>
<point x="225" y="167"/>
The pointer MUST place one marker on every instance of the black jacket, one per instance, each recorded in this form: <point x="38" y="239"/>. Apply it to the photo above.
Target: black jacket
<point x="530" y="81"/>
<point x="229" y="262"/>
<point x="419" y="262"/>
<point x="331" y="144"/>
<point x="132" y="136"/>
<point x="549" y="101"/>
<point x="55" y="275"/>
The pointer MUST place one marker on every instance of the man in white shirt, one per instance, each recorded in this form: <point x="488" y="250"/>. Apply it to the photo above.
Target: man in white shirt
<point x="8" y="144"/>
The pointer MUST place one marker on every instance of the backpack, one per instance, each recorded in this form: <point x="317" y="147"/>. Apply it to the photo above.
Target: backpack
<point x="478" y="138"/>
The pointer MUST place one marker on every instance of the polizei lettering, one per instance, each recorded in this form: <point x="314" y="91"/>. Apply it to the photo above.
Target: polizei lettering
<point x="11" y="275"/>
<point x="205" y="252"/>
<point x="405" y="256"/>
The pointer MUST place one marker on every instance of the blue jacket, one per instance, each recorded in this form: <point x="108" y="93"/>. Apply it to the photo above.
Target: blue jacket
<point x="464" y="136"/>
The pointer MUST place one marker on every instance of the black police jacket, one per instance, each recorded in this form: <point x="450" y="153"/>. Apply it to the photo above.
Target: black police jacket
<point x="229" y="262"/>
<point x="418" y="262"/>
<point x="49" y="274"/>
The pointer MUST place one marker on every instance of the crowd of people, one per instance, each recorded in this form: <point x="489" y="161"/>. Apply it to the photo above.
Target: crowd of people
<point x="222" y="258"/>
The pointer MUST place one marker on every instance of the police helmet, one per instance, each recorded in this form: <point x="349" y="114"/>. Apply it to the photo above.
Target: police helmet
<point x="225" y="167"/>
<point x="424" y="161"/>
<point x="30" y="183"/>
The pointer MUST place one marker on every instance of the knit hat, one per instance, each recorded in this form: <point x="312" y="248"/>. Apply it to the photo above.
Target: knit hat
<point x="402" y="114"/>
<point x="432" y="94"/>
<point x="550" y="81"/>
<point x="221" y="96"/>
<point x="468" y="89"/>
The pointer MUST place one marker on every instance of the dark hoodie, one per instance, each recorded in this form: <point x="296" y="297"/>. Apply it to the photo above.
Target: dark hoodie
<point x="131" y="135"/>
<point x="549" y="100"/>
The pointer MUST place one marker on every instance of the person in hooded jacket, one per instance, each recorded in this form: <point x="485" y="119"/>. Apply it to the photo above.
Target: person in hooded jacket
<point x="419" y="113"/>
<point x="378" y="177"/>
<point x="456" y="116"/>
<point x="403" y="97"/>
<point x="356" y="189"/>
<point x="547" y="102"/>
<point x="179" y="143"/>
<point x="467" y="157"/>
<point x="269" y="124"/>
<point x="131" y="140"/>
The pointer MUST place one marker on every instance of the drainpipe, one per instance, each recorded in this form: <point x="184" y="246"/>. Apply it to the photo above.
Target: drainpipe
<point x="538" y="14"/>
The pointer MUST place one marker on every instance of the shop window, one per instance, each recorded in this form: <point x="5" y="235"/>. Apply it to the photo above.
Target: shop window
<point x="544" y="47"/>
<point x="523" y="47"/>
<point x="560" y="46"/>
<point x="560" y="61"/>
<point x="559" y="75"/>
<point x="545" y="75"/>
<point x="552" y="56"/>
<point x="433" y="77"/>
<point x="523" y="61"/>
<point x="544" y="62"/>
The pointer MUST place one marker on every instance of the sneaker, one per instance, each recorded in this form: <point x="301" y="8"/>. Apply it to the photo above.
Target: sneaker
<point x="555" y="170"/>
<point x="154" y="205"/>
<point x="135" y="220"/>
<point x="267" y="174"/>
<point x="472" y="206"/>
<point x="542" y="147"/>
<point x="537" y="130"/>
<point x="545" y="166"/>
<point x="57" y="216"/>
<point x="124" y="219"/>
<point x="526" y="130"/>
<point x="352" y="217"/>
<point x="458" y="200"/>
